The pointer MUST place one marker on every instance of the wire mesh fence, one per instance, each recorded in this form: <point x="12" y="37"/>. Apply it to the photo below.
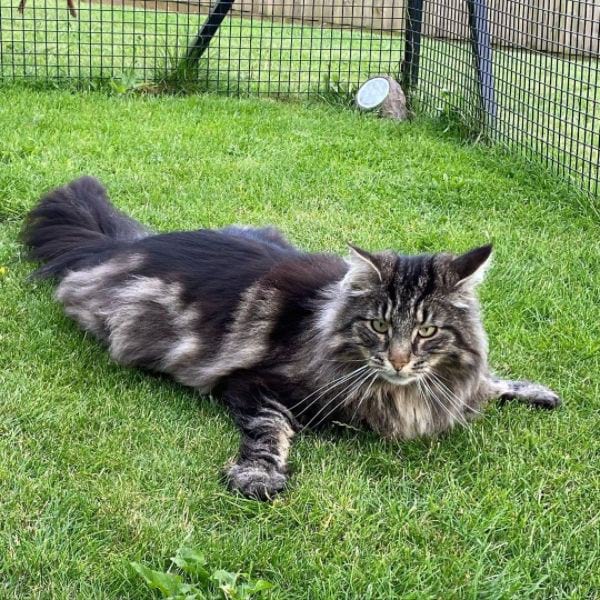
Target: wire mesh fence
<point x="519" y="72"/>
<point x="538" y="83"/>
<point x="277" y="47"/>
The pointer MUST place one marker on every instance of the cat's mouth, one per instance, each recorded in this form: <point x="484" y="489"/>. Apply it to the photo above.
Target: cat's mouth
<point x="398" y="378"/>
<point x="393" y="377"/>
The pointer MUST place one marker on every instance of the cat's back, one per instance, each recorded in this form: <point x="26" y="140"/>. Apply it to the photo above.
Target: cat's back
<point x="208" y="270"/>
<point x="169" y="298"/>
<point x="215" y="261"/>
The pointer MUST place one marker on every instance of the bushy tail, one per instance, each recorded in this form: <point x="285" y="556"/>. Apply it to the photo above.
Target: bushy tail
<point x="73" y="224"/>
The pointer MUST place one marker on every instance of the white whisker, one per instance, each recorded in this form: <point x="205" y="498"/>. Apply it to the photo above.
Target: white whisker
<point x="328" y="402"/>
<point x="455" y="402"/>
<point x="434" y="388"/>
<point x="444" y="384"/>
<point x="456" y="411"/>
<point x="453" y="399"/>
<point x="329" y="386"/>
<point x="364" y="395"/>
<point x="426" y="390"/>
<point x="426" y="399"/>
<point x="354" y="386"/>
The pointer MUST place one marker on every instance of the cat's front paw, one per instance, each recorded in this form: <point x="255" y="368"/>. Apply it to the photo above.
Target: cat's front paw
<point x="544" y="397"/>
<point x="534" y="394"/>
<point x="255" y="480"/>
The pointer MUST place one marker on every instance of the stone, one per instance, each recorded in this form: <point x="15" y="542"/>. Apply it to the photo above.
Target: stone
<point x="383" y="95"/>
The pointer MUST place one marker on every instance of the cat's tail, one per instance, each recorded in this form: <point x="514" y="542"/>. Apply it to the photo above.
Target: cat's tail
<point x="74" y="223"/>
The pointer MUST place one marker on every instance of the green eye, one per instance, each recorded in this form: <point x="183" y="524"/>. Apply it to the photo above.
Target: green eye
<point x="427" y="331"/>
<point x="379" y="325"/>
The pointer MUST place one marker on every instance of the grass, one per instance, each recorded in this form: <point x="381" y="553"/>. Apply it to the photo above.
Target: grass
<point x="103" y="465"/>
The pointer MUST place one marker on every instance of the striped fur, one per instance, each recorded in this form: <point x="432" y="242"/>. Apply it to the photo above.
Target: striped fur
<point x="285" y="338"/>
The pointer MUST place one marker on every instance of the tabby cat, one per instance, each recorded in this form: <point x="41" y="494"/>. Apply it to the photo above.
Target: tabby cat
<point x="287" y="339"/>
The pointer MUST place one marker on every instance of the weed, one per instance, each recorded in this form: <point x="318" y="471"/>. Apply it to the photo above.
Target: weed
<point x="195" y="581"/>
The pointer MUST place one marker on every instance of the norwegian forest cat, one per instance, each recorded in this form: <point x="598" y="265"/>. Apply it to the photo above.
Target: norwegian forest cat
<point x="287" y="339"/>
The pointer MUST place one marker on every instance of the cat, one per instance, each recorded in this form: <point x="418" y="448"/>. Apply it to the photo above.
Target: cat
<point x="287" y="339"/>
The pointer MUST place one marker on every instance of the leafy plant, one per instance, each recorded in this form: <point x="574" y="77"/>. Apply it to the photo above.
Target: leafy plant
<point x="337" y="91"/>
<point x="200" y="583"/>
<point x="125" y="83"/>
<point x="458" y="115"/>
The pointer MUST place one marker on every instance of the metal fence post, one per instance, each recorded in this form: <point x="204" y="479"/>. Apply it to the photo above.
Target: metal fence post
<point x="482" y="52"/>
<point x="210" y="27"/>
<point x="412" y="45"/>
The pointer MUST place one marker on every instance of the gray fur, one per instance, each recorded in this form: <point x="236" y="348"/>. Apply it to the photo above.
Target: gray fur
<point x="390" y="342"/>
<point x="115" y="304"/>
<point x="261" y="468"/>
<point x="522" y="391"/>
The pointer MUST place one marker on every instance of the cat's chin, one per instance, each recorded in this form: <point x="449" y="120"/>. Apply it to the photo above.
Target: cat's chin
<point x="398" y="379"/>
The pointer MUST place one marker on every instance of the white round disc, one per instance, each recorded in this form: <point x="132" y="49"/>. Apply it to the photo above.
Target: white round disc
<point x="372" y="93"/>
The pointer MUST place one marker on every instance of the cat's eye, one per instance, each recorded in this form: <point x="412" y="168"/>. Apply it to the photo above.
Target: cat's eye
<point x="379" y="325"/>
<point x="427" y="331"/>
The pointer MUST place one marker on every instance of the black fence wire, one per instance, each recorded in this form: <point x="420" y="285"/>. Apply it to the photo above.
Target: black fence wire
<point x="522" y="73"/>
<point x="275" y="47"/>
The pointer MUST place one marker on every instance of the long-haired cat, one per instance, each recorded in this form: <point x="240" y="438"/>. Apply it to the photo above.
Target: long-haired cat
<point x="287" y="339"/>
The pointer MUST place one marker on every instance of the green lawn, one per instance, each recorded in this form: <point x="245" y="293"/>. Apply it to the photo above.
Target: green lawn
<point x="102" y="465"/>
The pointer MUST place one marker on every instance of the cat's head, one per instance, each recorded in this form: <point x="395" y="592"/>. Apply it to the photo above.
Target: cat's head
<point x="407" y="317"/>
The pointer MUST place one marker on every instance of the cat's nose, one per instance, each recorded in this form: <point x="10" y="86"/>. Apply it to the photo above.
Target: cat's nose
<point x="399" y="359"/>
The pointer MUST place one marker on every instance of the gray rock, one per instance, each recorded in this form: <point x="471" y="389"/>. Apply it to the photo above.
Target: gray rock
<point x="394" y="106"/>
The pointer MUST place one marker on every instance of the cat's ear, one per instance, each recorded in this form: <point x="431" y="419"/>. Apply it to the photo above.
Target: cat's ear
<point x="364" y="269"/>
<point x="471" y="266"/>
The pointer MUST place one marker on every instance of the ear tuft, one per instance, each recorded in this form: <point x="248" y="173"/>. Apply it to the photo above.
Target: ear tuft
<point x="364" y="269"/>
<point x="471" y="266"/>
<point x="360" y="259"/>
